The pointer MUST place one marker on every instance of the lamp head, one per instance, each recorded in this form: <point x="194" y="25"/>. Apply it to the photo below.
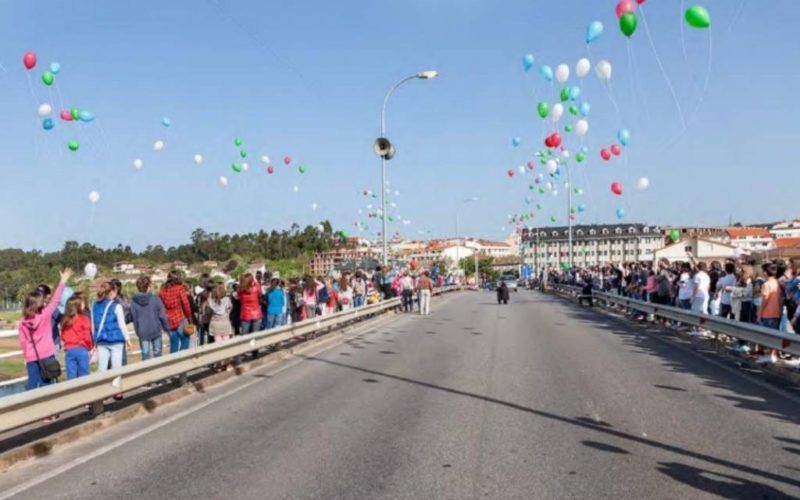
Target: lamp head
<point x="428" y="75"/>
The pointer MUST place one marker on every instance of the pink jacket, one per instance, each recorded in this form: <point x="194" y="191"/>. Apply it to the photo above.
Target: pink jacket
<point x="40" y="328"/>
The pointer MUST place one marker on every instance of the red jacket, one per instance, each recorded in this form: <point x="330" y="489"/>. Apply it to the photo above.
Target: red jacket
<point x="251" y="303"/>
<point x="78" y="334"/>
<point x="176" y="302"/>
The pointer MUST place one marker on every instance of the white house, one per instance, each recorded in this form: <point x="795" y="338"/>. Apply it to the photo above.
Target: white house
<point x="701" y="248"/>
<point x="752" y="239"/>
<point x="786" y="229"/>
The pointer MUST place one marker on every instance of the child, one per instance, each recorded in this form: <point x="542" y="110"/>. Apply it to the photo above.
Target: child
<point x="149" y="319"/>
<point x="76" y="333"/>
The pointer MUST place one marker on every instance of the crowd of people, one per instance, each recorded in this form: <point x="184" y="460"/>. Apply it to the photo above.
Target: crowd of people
<point x="766" y="294"/>
<point x="96" y="327"/>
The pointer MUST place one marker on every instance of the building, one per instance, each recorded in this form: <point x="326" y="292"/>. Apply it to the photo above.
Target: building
<point x="752" y="239"/>
<point x="353" y="249"/>
<point x="701" y="249"/>
<point x="784" y="248"/>
<point x="592" y="245"/>
<point x="124" y="267"/>
<point x="786" y="229"/>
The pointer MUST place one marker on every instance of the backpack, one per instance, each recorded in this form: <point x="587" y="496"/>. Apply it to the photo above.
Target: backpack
<point x="323" y="296"/>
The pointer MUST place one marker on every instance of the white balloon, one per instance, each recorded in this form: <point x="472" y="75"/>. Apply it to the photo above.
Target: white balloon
<point x="397" y="193"/>
<point x="45" y="109"/>
<point x="94" y="197"/>
<point x="90" y="270"/>
<point x="313" y="206"/>
<point x="521" y="169"/>
<point x="562" y="73"/>
<point x="643" y="183"/>
<point x="265" y="160"/>
<point x="555" y="192"/>
<point x="393" y="205"/>
<point x="369" y="207"/>
<point x="552" y="166"/>
<point x="565" y="154"/>
<point x="245" y="167"/>
<point x="581" y="127"/>
<point x="603" y="70"/>
<point x="138" y="164"/>
<point x="360" y="211"/>
<point x="198" y="159"/>
<point x="582" y="68"/>
<point x="558" y="110"/>
<point x="296" y="188"/>
<point x="223" y="181"/>
<point x="158" y="145"/>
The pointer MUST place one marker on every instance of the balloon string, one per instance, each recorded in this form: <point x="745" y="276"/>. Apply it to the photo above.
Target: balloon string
<point x="605" y="84"/>
<point x="683" y="48"/>
<point x="663" y="71"/>
<point x="708" y="76"/>
<point x="736" y="16"/>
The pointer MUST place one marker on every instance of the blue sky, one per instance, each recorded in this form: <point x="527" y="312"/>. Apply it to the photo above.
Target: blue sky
<point x="306" y="79"/>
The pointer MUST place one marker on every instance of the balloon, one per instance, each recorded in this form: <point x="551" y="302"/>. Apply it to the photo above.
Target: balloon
<point x="223" y="181"/>
<point x="301" y="169"/>
<point x="558" y="110"/>
<point x="86" y="116"/>
<point x="527" y="62"/>
<point x="158" y="145"/>
<point x="616" y="188"/>
<point x="236" y="167"/>
<point x="675" y="235"/>
<point x="29" y="60"/>
<point x="65" y="115"/>
<point x="48" y="78"/>
<point x="585" y="109"/>
<point x="624" y="137"/>
<point x="555" y="139"/>
<point x="562" y="73"/>
<point x="582" y="67"/>
<point x="55" y="68"/>
<point x="543" y="109"/>
<point x="75" y="113"/>
<point x="511" y="172"/>
<point x="270" y="170"/>
<point x="198" y="159"/>
<point x="581" y="208"/>
<point x="287" y="160"/>
<point x="627" y="24"/>
<point x="564" y="95"/>
<point x="245" y="167"/>
<point x="521" y="169"/>
<point x="574" y="92"/>
<point x="643" y="183"/>
<point x="603" y="70"/>
<point x="243" y="153"/>
<point x="94" y="197"/>
<point x="580" y="156"/>
<point x="581" y="127"/>
<point x="516" y="141"/>
<point x="166" y="122"/>
<point x="138" y="164"/>
<point x="553" y="219"/>
<point x="567" y="128"/>
<point x="295" y="188"/>
<point x="698" y="17"/>
<point x="552" y="166"/>
<point x="44" y="110"/>
<point x="594" y="31"/>
<point x="620" y="212"/>
<point x="314" y="206"/>
<point x="531" y="166"/>
<point x="546" y="72"/>
<point x="90" y="270"/>
<point x="47" y="124"/>
<point x="605" y="154"/>
<point x="573" y="110"/>
<point x="73" y="145"/>
<point x="625" y="7"/>
<point x="265" y="160"/>
<point x="616" y="150"/>
<point x="237" y="141"/>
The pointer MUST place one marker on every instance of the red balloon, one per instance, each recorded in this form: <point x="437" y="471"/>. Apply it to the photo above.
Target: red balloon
<point x="548" y="142"/>
<point x="605" y="154"/>
<point x="511" y="172"/>
<point x="270" y="170"/>
<point x="287" y="160"/>
<point x="625" y="6"/>
<point x="640" y="2"/>
<point x="29" y="60"/>
<point x="66" y="115"/>
<point x="555" y="139"/>
<point x="616" y="188"/>
<point x="616" y="150"/>
<point x="531" y="165"/>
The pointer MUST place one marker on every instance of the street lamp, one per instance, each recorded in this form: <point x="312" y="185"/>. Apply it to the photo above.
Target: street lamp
<point x="385" y="150"/>
<point x="458" y="240"/>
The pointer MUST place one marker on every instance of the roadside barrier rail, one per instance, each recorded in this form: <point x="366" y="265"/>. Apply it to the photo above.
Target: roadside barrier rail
<point x="767" y="337"/>
<point x="20" y="409"/>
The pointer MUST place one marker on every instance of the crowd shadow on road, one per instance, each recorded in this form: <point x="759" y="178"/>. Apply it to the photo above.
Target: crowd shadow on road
<point x="601" y="428"/>
<point x="722" y="485"/>
<point x="747" y="395"/>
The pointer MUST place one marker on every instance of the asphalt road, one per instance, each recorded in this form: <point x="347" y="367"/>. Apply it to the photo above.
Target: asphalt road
<point x="537" y="399"/>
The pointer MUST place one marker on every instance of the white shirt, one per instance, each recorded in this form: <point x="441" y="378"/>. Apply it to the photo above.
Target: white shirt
<point x="722" y="283"/>
<point x="686" y="288"/>
<point x="702" y="283"/>
<point x="407" y="283"/>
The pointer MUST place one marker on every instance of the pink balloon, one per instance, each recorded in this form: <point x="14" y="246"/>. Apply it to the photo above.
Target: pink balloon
<point x="29" y="60"/>
<point x="270" y="170"/>
<point x="625" y="6"/>
<point x="640" y="2"/>
<point x="66" y="115"/>
<point x="531" y="165"/>
<point x="511" y="172"/>
<point x="616" y="150"/>
<point x="287" y="160"/>
<point x="605" y="154"/>
<point x="616" y="188"/>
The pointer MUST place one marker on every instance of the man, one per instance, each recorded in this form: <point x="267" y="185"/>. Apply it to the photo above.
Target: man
<point x="685" y="286"/>
<point x="407" y="284"/>
<point x="359" y="289"/>
<point x="377" y="280"/>
<point x="425" y="289"/>
<point x="725" y="286"/>
<point x="700" y="292"/>
<point x="771" y="307"/>
<point x="663" y="283"/>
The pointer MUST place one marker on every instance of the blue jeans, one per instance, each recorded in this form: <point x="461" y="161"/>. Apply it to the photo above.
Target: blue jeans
<point x="250" y="326"/>
<point x="274" y="320"/>
<point x="77" y="361"/>
<point x="151" y="348"/>
<point x="35" y="375"/>
<point x="774" y="323"/>
<point x="358" y="300"/>
<point x="177" y="340"/>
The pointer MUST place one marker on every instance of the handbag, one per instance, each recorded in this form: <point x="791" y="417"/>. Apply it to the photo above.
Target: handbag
<point x="50" y="368"/>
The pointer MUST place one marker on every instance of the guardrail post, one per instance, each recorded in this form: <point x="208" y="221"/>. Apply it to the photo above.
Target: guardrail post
<point x="96" y="408"/>
<point x="182" y="379"/>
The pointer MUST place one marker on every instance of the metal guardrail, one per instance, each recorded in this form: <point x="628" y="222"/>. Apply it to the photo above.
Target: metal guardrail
<point x="19" y="409"/>
<point x="767" y="337"/>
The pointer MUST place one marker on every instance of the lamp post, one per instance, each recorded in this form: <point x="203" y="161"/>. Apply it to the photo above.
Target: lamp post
<point x="423" y="75"/>
<point x="458" y="240"/>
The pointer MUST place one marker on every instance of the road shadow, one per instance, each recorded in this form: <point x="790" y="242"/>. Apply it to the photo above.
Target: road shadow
<point x="670" y="387"/>
<point x="722" y="485"/>
<point x="605" y="447"/>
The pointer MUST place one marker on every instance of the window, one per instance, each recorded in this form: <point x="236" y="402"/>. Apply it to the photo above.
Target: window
<point x="631" y="230"/>
<point x="618" y="230"/>
<point x="592" y="232"/>
<point x="605" y="230"/>
<point x="555" y="233"/>
<point x="646" y="229"/>
<point x="579" y="232"/>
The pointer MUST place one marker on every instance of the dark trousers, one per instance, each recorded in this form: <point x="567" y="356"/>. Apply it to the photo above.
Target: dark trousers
<point x="408" y="301"/>
<point x="725" y="311"/>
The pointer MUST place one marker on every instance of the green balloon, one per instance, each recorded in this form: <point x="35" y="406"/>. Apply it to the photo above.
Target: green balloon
<point x="584" y="249"/>
<point x="577" y="190"/>
<point x="47" y="78"/>
<point x="698" y="17"/>
<point x="675" y="235"/>
<point x="572" y="210"/>
<point x="541" y="190"/>
<point x="301" y="169"/>
<point x="76" y="113"/>
<point x="567" y="128"/>
<point x="580" y="156"/>
<point x="627" y="23"/>
<point x="530" y="186"/>
<point x="243" y="153"/>
<point x="543" y="109"/>
<point x="237" y="167"/>
<point x="73" y="145"/>
<point x="565" y="94"/>
<point x="391" y="218"/>
<point x="573" y="110"/>
<point x="538" y="206"/>
<point x="552" y="218"/>
<point x="238" y="141"/>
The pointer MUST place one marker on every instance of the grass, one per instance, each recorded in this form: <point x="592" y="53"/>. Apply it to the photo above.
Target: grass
<point x="10" y="315"/>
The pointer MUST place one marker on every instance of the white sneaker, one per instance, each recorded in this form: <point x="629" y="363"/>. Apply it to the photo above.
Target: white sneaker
<point x="767" y="359"/>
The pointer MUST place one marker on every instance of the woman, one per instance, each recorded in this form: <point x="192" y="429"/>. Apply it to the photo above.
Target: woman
<point x="36" y="334"/>
<point x="249" y="293"/>
<point x="310" y="290"/>
<point x="179" y="311"/>
<point x="108" y="328"/>
<point x="345" y="294"/>
<point x="331" y="305"/>
<point x="218" y="309"/>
